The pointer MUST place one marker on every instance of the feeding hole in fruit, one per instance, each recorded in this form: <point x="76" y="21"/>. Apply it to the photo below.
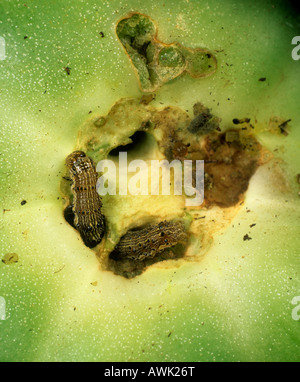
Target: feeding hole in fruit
<point x="156" y="62"/>
<point x="139" y="142"/>
<point x="231" y="156"/>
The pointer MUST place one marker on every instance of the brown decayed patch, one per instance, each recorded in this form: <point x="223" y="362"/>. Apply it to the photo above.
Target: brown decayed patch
<point x="230" y="166"/>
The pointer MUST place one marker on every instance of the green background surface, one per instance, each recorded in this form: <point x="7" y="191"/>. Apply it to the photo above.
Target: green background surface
<point x="234" y="305"/>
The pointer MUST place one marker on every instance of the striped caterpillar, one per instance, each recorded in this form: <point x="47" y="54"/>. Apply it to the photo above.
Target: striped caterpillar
<point x="86" y="207"/>
<point x="150" y="241"/>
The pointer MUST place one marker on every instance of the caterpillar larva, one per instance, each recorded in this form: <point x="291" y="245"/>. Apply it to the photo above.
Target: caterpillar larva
<point x="88" y="218"/>
<point x="150" y="241"/>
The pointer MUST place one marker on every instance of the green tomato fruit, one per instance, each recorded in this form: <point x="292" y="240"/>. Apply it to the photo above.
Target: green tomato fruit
<point x="68" y="82"/>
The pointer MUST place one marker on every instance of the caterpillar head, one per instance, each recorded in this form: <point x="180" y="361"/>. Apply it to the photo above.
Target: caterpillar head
<point x="73" y="158"/>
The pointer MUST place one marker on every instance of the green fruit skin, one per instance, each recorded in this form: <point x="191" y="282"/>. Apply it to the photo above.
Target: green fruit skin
<point x="235" y="304"/>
